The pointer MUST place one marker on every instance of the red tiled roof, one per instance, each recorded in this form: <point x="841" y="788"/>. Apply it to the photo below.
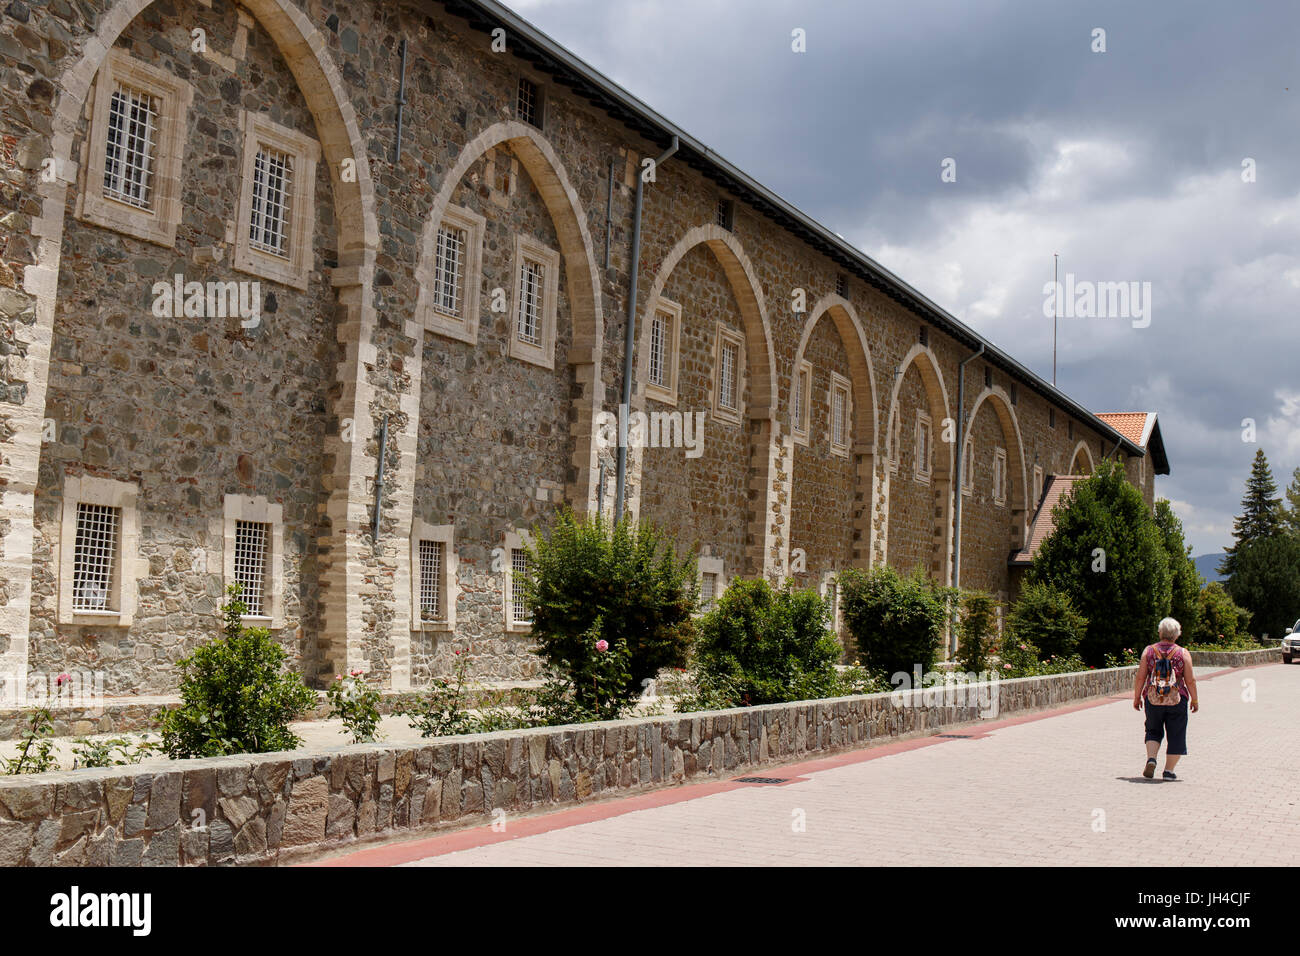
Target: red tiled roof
<point x="1132" y="425"/>
<point x="1058" y="486"/>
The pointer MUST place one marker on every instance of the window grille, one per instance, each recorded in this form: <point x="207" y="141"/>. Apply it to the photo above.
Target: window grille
<point x="520" y="613"/>
<point x="529" y="102"/>
<point x="924" y="337"/>
<point x="251" y="539"/>
<point x="659" y="349"/>
<point x="999" y="476"/>
<point x="839" y="416"/>
<point x="129" y="154"/>
<point x="1013" y="393"/>
<point x="529" y="321"/>
<point x="727" y="375"/>
<point x="800" y="383"/>
<point x="923" y="448"/>
<point x="448" y="269"/>
<point x="726" y="214"/>
<point x="268" y="228"/>
<point x="988" y="377"/>
<point x="842" y="285"/>
<point x="708" y="588"/>
<point x="94" y="556"/>
<point x="431" y="580"/>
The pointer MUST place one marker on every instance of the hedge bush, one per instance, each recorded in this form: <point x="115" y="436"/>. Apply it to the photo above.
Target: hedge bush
<point x="897" y="622"/>
<point x="1045" y="617"/>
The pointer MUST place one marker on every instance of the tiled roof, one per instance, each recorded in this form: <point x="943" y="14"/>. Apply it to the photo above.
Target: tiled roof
<point x="1132" y="425"/>
<point x="1057" y="487"/>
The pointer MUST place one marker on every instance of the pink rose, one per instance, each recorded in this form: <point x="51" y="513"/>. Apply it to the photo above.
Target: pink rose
<point x="338" y="676"/>
<point x="63" y="679"/>
<point x="1006" y="667"/>
<point x="602" y="645"/>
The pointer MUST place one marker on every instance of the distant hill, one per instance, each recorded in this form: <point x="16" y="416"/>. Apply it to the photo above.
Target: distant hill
<point x="1208" y="565"/>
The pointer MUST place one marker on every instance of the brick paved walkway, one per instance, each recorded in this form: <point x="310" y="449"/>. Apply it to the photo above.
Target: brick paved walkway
<point x="1063" y="789"/>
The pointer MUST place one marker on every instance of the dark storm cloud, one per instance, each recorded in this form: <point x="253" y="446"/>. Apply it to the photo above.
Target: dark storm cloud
<point x="1126" y="162"/>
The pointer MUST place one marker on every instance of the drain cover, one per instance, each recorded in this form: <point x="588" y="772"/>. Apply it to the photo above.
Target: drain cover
<point x="956" y="736"/>
<point x="761" y="780"/>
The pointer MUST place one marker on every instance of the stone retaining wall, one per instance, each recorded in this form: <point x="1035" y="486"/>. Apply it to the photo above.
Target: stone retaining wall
<point x="1264" y="655"/>
<point x="271" y="808"/>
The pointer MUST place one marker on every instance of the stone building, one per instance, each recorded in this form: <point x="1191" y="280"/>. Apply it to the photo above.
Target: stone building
<point x="252" y="250"/>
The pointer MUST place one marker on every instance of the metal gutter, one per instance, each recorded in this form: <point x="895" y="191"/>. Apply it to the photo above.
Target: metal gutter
<point x="526" y="41"/>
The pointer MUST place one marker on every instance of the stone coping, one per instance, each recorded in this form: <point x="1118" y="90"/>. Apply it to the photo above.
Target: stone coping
<point x="274" y="808"/>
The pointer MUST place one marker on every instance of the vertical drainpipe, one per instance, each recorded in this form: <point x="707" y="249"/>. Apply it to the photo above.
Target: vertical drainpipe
<point x="629" y="340"/>
<point x="956" y="485"/>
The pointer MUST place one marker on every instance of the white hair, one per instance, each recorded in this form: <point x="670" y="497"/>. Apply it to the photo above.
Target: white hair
<point x="1170" y="630"/>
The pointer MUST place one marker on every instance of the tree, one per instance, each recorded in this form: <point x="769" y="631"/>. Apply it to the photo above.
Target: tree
<point x="1291" y="510"/>
<point x="1044" y="618"/>
<point x="1106" y="553"/>
<point x="1222" y="621"/>
<point x="1266" y="582"/>
<point x="1261" y="511"/>
<point x="976" y="630"/>
<point x="1184" y="580"/>
<point x="896" y="621"/>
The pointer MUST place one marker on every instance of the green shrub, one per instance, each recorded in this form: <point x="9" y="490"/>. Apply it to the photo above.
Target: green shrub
<point x="236" y="696"/>
<point x="1045" y="618"/>
<point x="113" y="752"/>
<point x="622" y="584"/>
<point x="1266" y="582"/>
<point x="896" y="622"/>
<point x="1184" y="580"/>
<point x="976" y="630"/>
<point x="356" y="703"/>
<point x="1222" y="623"/>
<point x="1107" y="553"/>
<point x="1019" y="658"/>
<point x="759" y="645"/>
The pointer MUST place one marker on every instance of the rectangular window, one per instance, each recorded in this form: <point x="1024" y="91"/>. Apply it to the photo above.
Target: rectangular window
<point x="528" y="105"/>
<point x="728" y="359"/>
<point x="95" y="557"/>
<point x="895" y="439"/>
<point x="431" y="560"/>
<point x="726" y="214"/>
<point x="924" y="336"/>
<point x="251" y="545"/>
<point x="842" y="285"/>
<point x="528" y="321"/>
<point x="449" y="270"/>
<point x="708" y="589"/>
<point x="710" y="581"/>
<point x="1038" y="486"/>
<point x="268" y="226"/>
<point x="988" y="377"/>
<point x="1013" y="393"/>
<point x="800" y="401"/>
<point x="923" y="449"/>
<point x="129" y="152"/>
<point x="839" y="414"/>
<point x="659" y="349"/>
<point x="519" y="610"/>
<point x="1000" y="476"/>
<point x="968" y="467"/>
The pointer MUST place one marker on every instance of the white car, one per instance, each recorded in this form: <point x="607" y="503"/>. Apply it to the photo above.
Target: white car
<point x="1291" y="644"/>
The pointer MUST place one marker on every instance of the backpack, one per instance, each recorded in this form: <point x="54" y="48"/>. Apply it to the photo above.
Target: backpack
<point x="1162" y="678"/>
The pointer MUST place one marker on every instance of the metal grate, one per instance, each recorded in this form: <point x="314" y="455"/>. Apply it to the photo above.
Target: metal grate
<point x="659" y="349"/>
<point x="520" y="612"/>
<point x="129" y="155"/>
<point x="529" y="102"/>
<point x="708" y="588"/>
<point x="251" y="540"/>
<point x="726" y="214"/>
<point x="767" y="780"/>
<point x="801" y="383"/>
<point x="94" y="555"/>
<point x="728" y="359"/>
<point x="268" y="230"/>
<point x="447" y="270"/>
<point x="839" y="417"/>
<point x="842" y="285"/>
<point x="529" y="320"/>
<point x="431" y="580"/>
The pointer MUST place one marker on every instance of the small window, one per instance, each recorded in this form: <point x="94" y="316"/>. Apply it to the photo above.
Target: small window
<point x="1051" y="418"/>
<point x="536" y="288"/>
<point x="842" y="285"/>
<point x="528" y="106"/>
<point x="968" y="467"/>
<point x="449" y="289"/>
<point x="924" y="435"/>
<point x="661" y="355"/>
<point x="711" y="581"/>
<point x="924" y="337"/>
<point x="254" y="556"/>
<point x="519" y="616"/>
<point x="830" y="593"/>
<point x="729" y="370"/>
<point x="97" y="553"/>
<point x="252" y="544"/>
<point x="132" y="160"/>
<point x="1013" y="393"/>
<point x="840" y="412"/>
<point x="726" y="214"/>
<point x="1038" y="487"/>
<point x="95" y="557"/>
<point x="895" y="439"/>
<point x="432" y="604"/>
<point x="988" y="377"/>
<point x="433" y="577"/>
<point x="277" y="213"/>
<point x="1000" y="476"/>
<point x="800" y="400"/>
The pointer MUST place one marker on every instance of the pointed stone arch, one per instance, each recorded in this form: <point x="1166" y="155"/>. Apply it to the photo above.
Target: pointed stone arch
<point x="1077" y="458"/>
<point x="322" y="86"/>
<point x="862" y="375"/>
<point x="1000" y="401"/>
<point x="767" y="553"/>
<point x="941" y="475"/>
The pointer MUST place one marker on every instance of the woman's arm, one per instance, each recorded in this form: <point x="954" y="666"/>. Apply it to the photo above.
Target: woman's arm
<point x="1139" y="681"/>
<point x="1190" y="678"/>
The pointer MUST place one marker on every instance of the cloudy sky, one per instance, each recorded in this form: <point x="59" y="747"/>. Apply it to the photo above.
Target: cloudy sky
<point x="1128" y="163"/>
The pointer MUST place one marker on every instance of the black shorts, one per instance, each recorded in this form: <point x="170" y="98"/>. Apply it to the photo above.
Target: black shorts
<point x="1168" y="719"/>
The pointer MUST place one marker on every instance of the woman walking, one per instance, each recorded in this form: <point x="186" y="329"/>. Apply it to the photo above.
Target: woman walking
<point x="1166" y="684"/>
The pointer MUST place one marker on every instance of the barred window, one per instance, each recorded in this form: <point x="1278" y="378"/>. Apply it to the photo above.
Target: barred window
<point x="129" y="151"/>
<point x="529" y="320"/>
<point x="520" y="613"/>
<point x="658" y="349"/>
<point x="268" y="229"/>
<point x="839" y="417"/>
<point x="708" y="588"/>
<point x="528" y="105"/>
<point x="448" y="270"/>
<point x="842" y="285"/>
<point x="94" y="556"/>
<point x="727" y="361"/>
<point x="251" y="546"/>
<point x="726" y="214"/>
<point x="800" y="385"/>
<point x="923" y="450"/>
<point x="431" y="557"/>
